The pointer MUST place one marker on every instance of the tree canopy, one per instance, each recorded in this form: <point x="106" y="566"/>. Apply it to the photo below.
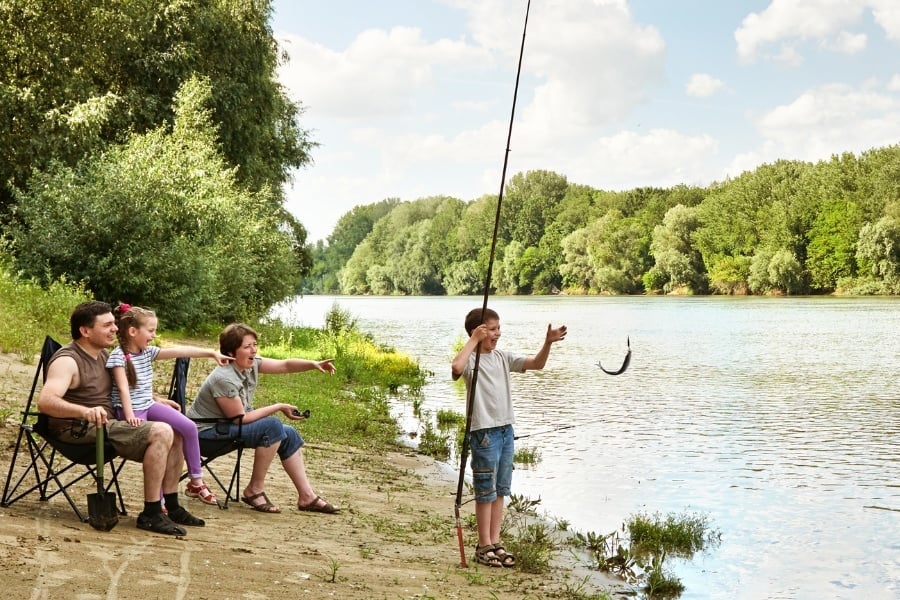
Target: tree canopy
<point x="790" y="227"/>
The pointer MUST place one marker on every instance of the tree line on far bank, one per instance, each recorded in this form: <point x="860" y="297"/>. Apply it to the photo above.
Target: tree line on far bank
<point x="791" y="227"/>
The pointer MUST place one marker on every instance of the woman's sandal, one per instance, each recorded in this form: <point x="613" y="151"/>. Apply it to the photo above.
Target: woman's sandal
<point x="506" y="559"/>
<point x="485" y="555"/>
<point x="202" y="492"/>
<point x="266" y="506"/>
<point x="313" y="506"/>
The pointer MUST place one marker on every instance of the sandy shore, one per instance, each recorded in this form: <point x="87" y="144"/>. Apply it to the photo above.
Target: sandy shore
<point x="394" y="538"/>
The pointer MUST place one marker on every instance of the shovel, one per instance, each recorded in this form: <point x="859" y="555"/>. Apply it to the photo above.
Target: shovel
<point x="102" y="511"/>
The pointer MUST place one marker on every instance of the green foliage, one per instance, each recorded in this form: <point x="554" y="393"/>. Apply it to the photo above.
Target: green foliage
<point x="350" y="408"/>
<point x="785" y="228"/>
<point x="30" y="312"/>
<point x="527" y="456"/>
<point x="159" y="221"/>
<point x="832" y="246"/>
<point x="878" y="253"/>
<point x="678" y="263"/>
<point x="449" y="418"/>
<point x="432" y="442"/>
<point x="79" y="75"/>
<point x="678" y="534"/>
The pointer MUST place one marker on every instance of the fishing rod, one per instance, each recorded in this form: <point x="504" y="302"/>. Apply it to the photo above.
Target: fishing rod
<point x="559" y="428"/>
<point x="470" y="401"/>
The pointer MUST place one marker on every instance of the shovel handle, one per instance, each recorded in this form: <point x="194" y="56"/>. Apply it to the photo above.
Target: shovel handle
<point x="100" y="460"/>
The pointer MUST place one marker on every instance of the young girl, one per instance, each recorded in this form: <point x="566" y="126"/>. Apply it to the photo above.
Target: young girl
<point x="132" y="391"/>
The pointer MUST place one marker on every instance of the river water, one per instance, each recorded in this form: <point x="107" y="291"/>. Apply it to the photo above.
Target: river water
<point x="776" y="418"/>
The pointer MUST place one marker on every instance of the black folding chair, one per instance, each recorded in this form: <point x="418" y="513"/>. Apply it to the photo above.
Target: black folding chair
<point x="211" y="449"/>
<point x="50" y="466"/>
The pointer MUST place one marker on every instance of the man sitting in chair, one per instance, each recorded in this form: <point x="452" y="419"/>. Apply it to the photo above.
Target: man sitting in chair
<point x="78" y="387"/>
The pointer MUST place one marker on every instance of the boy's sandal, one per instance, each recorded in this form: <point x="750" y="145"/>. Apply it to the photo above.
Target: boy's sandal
<point x="202" y="492"/>
<point x="266" y="506"/>
<point x="485" y="555"/>
<point x="506" y="559"/>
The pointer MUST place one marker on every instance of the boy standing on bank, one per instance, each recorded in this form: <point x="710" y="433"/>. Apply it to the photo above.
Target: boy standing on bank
<point x="491" y="431"/>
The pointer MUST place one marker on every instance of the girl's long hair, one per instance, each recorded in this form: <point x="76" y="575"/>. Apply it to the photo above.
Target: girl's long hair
<point x="130" y="316"/>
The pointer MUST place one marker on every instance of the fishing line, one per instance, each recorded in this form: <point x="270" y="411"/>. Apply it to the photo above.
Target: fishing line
<point x="559" y="428"/>
<point x="487" y="285"/>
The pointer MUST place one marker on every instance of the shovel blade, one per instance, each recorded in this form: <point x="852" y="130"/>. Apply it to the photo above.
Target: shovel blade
<point x="102" y="511"/>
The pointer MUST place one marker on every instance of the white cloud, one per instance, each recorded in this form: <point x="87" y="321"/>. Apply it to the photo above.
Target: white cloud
<point x="702" y="85"/>
<point x="887" y="15"/>
<point x="831" y="117"/>
<point x="794" y="19"/>
<point x="592" y="61"/>
<point x="381" y="72"/>
<point x="849" y="43"/>
<point x="661" y="157"/>
<point x="894" y="84"/>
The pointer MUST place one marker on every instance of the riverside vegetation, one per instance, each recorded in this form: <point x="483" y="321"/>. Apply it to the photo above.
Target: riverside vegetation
<point x="352" y="410"/>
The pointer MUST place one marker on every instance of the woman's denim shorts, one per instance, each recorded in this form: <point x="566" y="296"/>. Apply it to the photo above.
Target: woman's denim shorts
<point x="260" y="434"/>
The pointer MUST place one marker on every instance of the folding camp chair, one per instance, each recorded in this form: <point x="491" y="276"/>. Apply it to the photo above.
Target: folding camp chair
<point x="210" y="449"/>
<point x="53" y="466"/>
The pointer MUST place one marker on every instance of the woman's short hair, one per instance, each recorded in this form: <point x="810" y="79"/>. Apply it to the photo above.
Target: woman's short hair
<point x="232" y="337"/>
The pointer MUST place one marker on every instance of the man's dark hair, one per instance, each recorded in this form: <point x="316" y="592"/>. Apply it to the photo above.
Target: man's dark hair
<point x="85" y="314"/>
<point x="475" y="318"/>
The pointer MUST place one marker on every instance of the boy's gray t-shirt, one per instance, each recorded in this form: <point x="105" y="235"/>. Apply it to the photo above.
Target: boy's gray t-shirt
<point x="493" y="399"/>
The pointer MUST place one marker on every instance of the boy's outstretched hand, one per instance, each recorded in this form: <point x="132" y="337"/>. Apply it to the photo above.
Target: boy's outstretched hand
<point x="555" y="335"/>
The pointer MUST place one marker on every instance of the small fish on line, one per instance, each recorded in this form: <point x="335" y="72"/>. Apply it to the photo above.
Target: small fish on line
<point x="625" y="363"/>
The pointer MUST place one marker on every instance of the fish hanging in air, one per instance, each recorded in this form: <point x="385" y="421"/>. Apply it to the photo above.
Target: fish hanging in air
<point x="625" y="363"/>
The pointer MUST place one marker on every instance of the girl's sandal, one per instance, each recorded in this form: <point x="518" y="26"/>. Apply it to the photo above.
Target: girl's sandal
<point x="202" y="492"/>
<point x="506" y="559"/>
<point x="485" y="555"/>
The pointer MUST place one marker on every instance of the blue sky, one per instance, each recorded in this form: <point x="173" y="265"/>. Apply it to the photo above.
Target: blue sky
<point x="412" y="98"/>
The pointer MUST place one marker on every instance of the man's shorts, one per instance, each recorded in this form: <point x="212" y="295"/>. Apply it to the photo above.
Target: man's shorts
<point x="129" y="442"/>
<point x="492" y="462"/>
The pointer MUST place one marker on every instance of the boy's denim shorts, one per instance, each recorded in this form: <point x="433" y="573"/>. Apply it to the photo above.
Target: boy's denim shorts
<point x="260" y="434"/>
<point x="492" y="462"/>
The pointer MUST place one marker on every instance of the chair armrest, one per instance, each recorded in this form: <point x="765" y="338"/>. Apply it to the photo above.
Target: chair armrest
<point x="238" y="420"/>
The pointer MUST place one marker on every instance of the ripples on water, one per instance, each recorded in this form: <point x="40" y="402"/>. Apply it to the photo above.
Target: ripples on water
<point x="778" y="418"/>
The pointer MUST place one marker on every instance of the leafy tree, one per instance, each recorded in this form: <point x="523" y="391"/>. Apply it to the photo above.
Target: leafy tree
<point x="878" y="253"/>
<point x="619" y="253"/>
<point x="159" y="221"/>
<point x="832" y="247"/>
<point x="463" y="278"/>
<point x="532" y="202"/>
<point x="678" y="263"/>
<point x="774" y="270"/>
<point x="576" y="268"/>
<point x="79" y="75"/>
<point x="729" y="275"/>
<point x="351" y="229"/>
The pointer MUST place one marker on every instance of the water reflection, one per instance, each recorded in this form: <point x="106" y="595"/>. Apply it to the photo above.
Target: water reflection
<point x="776" y="417"/>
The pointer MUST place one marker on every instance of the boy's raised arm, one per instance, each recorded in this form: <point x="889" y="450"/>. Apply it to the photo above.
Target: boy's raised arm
<point x="540" y="359"/>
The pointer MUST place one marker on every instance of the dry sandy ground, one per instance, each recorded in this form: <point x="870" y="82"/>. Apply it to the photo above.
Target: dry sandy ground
<point x="394" y="538"/>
